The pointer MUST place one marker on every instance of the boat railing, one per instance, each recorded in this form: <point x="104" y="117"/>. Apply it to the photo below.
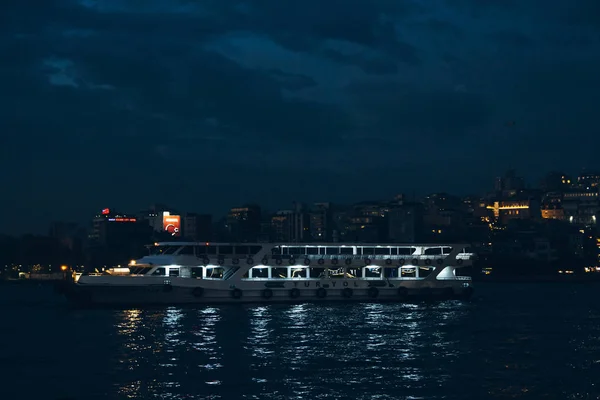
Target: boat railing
<point x="463" y="256"/>
<point x="454" y="278"/>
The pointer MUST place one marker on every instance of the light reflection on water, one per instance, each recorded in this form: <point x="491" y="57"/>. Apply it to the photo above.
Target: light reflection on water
<point x="451" y="350"/>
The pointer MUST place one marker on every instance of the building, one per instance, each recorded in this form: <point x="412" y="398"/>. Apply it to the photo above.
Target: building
<point x="509" y="185"/>
<point x="321" y="222"/>
<point x="506" y="210"/>
<point x="244" y="223"/>
<point x="553" y="211"/>
<point x="197" y="227"/>
<point x="292" y="225"/>
<point x="405" y="223"/>
<point x="588" y="180"/>
<point x="582" y="205"/>
<point x="556" y="182"/>
<point x="165" y="223"/>
<point x="115" y="238"/>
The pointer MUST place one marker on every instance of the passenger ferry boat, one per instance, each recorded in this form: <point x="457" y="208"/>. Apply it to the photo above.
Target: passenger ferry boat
<point x="189" y="272"/>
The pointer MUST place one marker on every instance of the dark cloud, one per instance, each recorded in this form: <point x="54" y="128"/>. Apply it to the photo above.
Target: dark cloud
<point x="401" y="111"/>
<point x="116" y="101"/>
<point x="583" y="12"/>
<point x="510" y="39"/>
<point x="441" y="27"/>
<point x="293" y="81"/>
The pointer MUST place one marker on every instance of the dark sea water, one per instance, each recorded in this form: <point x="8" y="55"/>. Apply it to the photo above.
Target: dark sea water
<point x="512" y="341"/>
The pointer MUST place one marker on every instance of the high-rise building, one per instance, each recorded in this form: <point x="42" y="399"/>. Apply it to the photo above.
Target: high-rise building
<point x="243" y="223"/>
<point x="510" y="184"/>
<point x="197" y="227"/>
<point x="321" y="222"/>
<point x="115" y="238"/>
<point x="281" y="226"/>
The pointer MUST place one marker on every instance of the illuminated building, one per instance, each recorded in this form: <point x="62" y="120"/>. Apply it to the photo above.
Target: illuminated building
<point x="582" y="206"/>
<point x="291" y="225"/>
<point x="553" y="211"/>
<point x="115" y="238"/>
<point x="109" y="226"/>
<point x="321" y="222"/>
<point x="589" y="179"/>
<point x="506" y="210"/>
<point x="280" y="225"/>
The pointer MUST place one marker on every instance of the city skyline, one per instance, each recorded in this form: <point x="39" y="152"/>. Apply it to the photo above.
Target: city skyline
<point x="570" y="182"/>
<point x="207" y="104"/>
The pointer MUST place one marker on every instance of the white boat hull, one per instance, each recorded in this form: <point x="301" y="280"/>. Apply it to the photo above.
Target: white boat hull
<point x="203" y="292"/>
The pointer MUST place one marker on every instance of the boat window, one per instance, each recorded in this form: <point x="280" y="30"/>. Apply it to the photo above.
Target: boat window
<point x="226" y="250"/>
<point x="382" y="251"/>
<point x="214" y="272"/>
<point x="425" y="271"/>
<point x="409" y="272"/>
<point x="394" y="251"/>
<point x="358" y="251"/>
<point x="296" y="250"/>
<point x="434" y="251"/>
<point x="186" y="250"/>
<point x="346" y="250"/>
<point x="299" y="272"/>
<point x="260" y="272"/>
<point x="353" y="273"/>
<point x="372" y="272"/>
<point x="332" y="250"/>
<point x="316" y="272"/>
<point x="312" y="250"/>
<point x="203" y="250"/>
<point x="173" y="271"/>
<point x="405" y="251"/>
<point x="159" y="271"/>
<point x="158" y="250"/>
<point x="390" y="272"/>
<point x="196" y="272"/>
<point x="337" y="273"/>
<point x="185" y="272"/>
<point x="241" y="250"/>
<point x="367" y="251"/>
<point x="255" y="249"/>
<point x="279" y="273"/>
<point x="140" y="270"/>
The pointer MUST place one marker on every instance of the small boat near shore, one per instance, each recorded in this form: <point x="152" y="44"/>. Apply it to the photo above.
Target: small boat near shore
<point x="209" y="273"/>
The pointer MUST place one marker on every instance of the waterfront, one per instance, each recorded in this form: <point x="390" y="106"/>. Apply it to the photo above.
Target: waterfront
<point x="512" y="341"/>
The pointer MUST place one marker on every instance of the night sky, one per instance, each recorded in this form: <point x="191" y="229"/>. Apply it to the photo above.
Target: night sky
<point x="205" y="105"/>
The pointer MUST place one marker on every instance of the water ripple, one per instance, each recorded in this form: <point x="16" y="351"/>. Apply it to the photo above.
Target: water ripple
<point x="539" y="342"/>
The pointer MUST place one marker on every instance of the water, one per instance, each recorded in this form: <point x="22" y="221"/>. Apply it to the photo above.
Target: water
<point x="513" y="341"/>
